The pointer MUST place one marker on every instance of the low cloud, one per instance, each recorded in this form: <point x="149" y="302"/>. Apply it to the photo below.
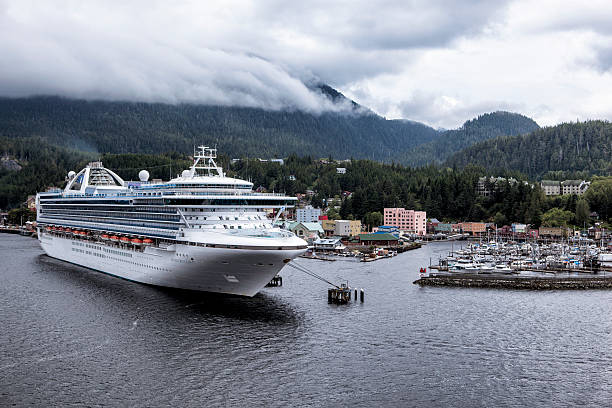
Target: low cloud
<point x="439" y="110"/>
<point x="229" y="53"/>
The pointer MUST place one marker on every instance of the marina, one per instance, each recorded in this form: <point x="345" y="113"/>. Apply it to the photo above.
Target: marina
<point x="511" y="257"/>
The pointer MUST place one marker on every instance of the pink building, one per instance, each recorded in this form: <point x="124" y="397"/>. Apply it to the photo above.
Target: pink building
<point x="406" y="220"/>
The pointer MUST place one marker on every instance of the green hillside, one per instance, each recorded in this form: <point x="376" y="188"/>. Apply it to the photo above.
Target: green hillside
<point x="484" y="127"/>
<point x="124" y="127"/>
<point x="569" y="147"/>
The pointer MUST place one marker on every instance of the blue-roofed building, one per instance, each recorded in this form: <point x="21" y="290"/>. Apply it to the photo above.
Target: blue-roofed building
<point x="387" y="229"/>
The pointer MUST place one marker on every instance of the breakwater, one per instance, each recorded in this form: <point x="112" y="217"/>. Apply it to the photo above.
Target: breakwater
<point x="517" y="282"/>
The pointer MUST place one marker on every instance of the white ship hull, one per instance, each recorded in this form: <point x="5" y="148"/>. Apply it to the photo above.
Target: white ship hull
<point x="221" y="270"/>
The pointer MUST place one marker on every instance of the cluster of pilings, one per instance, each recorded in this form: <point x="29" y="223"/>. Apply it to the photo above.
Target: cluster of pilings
<point x="276" y="281"/>
<point x="342" y="295"/>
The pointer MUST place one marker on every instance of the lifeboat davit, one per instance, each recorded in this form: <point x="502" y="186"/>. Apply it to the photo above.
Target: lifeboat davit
<point x="147" y="241"/>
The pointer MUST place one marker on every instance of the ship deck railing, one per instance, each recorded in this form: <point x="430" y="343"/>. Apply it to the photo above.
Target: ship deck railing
<point x="175" y="193"/>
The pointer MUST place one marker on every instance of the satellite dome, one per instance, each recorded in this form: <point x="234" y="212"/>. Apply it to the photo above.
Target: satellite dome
<point x="143" y="175"/>
<point x="71" y="174"/>
<point x="186" y="173"/>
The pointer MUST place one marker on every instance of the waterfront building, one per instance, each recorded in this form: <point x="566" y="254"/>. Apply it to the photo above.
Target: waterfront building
<point x="340" y="170"/>
<point x="378" y="239"/>
<point x="329" y="244"/>
<point x="473" y="228"/>
<point x="307" y="214"/>
<point x="552" y="232"/>
<point x="409" y="221"/>
<point x="347" y="228"/>
<point x="443" y="227"/>
<point x="519" y="228"/>
<point x="387" y="228"/>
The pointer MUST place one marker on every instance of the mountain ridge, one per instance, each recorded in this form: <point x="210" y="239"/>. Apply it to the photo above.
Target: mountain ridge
<point x="485" y="126"/>
<point x="566" y="147"/>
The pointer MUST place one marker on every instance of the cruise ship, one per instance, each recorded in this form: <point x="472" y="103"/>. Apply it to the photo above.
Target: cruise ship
<point x="200" y="231"/>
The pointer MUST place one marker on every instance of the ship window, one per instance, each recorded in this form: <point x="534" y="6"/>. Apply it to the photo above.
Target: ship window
<point x="225" y="226"/>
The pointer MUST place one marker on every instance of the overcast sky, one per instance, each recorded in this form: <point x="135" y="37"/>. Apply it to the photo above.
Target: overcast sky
<point x="434" y="61"/>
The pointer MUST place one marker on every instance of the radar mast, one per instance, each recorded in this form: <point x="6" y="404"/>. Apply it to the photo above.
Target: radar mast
<point x="204" y="159"/>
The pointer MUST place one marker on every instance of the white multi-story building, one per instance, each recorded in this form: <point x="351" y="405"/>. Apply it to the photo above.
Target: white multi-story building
<point x="574" y="186"/>
<point x="552" y="187"/>
<point x="307" y="214"/>
<point x="406" y="220"/>
<point x="347" y="228"/>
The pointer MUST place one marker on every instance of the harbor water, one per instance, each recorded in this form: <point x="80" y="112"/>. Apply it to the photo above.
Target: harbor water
<point x="74" y="336"/>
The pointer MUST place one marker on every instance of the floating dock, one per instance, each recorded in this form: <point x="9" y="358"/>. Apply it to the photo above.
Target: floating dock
<point x="517" y="282"/>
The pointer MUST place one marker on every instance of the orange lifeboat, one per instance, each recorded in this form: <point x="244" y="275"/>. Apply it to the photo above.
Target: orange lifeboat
<point x="105" y="237"/>
<point x="136" y="241"/>
<point x="125" y="240"/>
<point x="114" y="238"/>
<point x="147" y="241"/>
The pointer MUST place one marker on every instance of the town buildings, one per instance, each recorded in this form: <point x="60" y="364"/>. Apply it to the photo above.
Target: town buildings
<point x="347" y="228"/>
<point x="409" y="221"/>
<point x="473" y="228"/>
<point x="307" y="214"/>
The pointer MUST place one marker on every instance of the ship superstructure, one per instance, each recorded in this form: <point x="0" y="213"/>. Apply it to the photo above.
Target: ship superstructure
<point x="201" y="230"/>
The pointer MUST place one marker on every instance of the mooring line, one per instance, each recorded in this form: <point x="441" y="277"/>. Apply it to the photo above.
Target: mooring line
<point x="303" y="269"/>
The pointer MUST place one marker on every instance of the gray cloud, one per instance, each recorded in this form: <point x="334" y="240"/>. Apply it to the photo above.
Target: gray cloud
<point x="439" y="111"/>
<point x="231" y="53"/>
<point x="603" y="57"/>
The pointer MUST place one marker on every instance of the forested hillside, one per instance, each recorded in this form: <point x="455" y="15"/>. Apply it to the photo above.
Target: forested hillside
<point x="123" y="127"/>
<point x="484" y="127"/>
<point x="42" y="165"/>
<point x="569" y="147"/>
